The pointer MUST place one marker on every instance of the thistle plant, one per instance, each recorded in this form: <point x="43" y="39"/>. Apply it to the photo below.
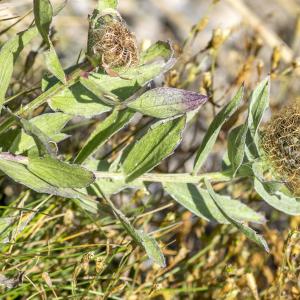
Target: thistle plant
<point x="114" y="80"/>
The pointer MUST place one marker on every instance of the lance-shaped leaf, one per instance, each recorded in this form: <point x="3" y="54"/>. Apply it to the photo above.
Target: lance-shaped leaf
<point x="50" y="124"/>
<point x="59" y="173"/>
<point x="112" y="124"/>
<point x="16" y="168"/>
<point x="167" y="102"/>
<point x="20" y="173"/>
<point x="147" y="242"/>
<point x="249" y="232"/>
<point x="53" y="64"/>
<point x="78" y="101"/>
<point x="8" y="55"/>
<point x="236" y="146"/>
<point x="199" y="202"/>
<point x="258" y="104"/>
<point x="159" y="49"/>
<point x="215" y="127"/>
<point x="43" y="14"/>
<point x="278" y="200"/>
<point x="106" y="96"/>
<point x="158" y="143"/>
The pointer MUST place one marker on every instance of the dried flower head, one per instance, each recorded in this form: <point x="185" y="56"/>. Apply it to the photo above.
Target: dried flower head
<point x="113" y="43"/>
<point x="281" y="143"/>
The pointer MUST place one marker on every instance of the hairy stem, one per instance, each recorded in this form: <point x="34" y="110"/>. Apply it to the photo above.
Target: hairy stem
<point x="175" y="177"/>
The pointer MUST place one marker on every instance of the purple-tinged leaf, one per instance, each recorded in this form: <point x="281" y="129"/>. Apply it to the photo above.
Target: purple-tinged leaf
<point x="165" y="102"/>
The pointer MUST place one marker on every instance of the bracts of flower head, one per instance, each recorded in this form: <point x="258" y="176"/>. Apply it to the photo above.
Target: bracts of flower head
<point x="280" y="140"/>
<point x="110" y="42"/>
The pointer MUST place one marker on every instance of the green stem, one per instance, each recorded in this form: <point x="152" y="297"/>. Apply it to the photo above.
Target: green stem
<point x="176" y="177"/>
<point x="152" y="177"/>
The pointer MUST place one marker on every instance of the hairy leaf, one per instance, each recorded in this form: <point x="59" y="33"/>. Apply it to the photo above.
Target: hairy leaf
<point x="20" y="173"/>
<point x="159" y="49"/>
<point x="278" y="200"/>
<point x="167" y="102"/>
<point x="215" y="127"/>
<point x="43" y="13"/>
<point x="112" y="124"/>
<point x="199" y="202"/>
<point x="236" y="146"/>
<point x="249" y="232"/>
<point x="53" y="64"/>
<point x="157" y="144"/>
<point x="59" y="173"/>
<point x="258" y="104"/>
<point x="43" y="142"/>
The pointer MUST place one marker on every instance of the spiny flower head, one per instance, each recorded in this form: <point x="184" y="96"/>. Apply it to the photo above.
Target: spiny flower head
<point x="281" y="143"/>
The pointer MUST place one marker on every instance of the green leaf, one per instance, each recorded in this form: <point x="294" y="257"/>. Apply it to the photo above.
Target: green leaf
<point x="105" y="129"/>
<point x="278" y="200"/>
<point x="236" y="146"/>
<point x="8" y="55"/>
<point x="159" y="49"/>
<point x="15" y="167"/>
<point x="43" y="13"/>
<point x="20" y="173"/>
<point x="157" y="144"/>
<point x="167" y="102"/>
<point x="107" y="97"/>
<point x="214" y="129"/>
<point x="148" y="243"/>
<point x="105" y="4"/>
<point x="53" y="64"/>
<point x="199" y="202"/>
<point x="78" y="101"/>
<point x="249" y="232"/>
<point x="59" y="173"/>
<point x="152" y="249"/>
<point x="258" y="104"/>
<point x="50" y="124"/>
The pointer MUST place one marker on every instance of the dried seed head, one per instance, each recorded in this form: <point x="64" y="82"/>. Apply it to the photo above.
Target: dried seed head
<point x="113" y="43"/>
<point x="281" y="143"/>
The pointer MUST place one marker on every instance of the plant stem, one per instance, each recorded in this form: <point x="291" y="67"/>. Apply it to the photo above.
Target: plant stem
<point x="175" y="177"/>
